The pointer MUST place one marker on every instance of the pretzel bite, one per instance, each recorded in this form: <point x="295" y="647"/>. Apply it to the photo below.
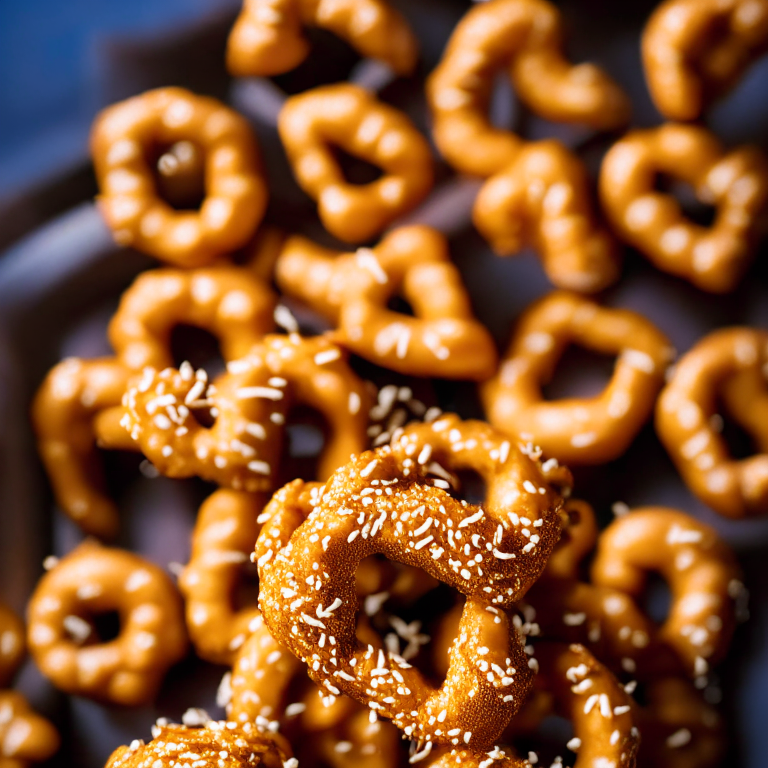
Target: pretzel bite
<point x="384" y="501"/>
<point x="249" y="403"/>
<point x="349" y="117"/>
<point x="12" y="644"/>
<point x="543" y="199"/>
<point x="126" y="140"/>
<point x="578" y="431"/>
<point x="730" y="363"/>
<point x="25" y="737"/>
<point x="227" y="301"/>
<point x="713" y="258"/>
<point x="267" y="37"/>
<point x="91" y="581"/>
<point x="218" y="744"/>
<point x="700" y="569"/>
<point x="77" y="408"/>
<point x="526" y="37"/>
<point x="695" y="50"/>
<point x="352" y="290"/>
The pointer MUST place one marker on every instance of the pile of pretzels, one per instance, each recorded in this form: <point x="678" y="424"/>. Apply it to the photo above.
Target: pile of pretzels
<point x="403" y="617"/>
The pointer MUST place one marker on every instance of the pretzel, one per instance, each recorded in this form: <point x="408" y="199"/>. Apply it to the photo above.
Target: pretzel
<point x="542" y="198"/>
<point x="732" y="363"/>
<point x="250" y="403"/>
<point x="699" y="568"/>
<point x="576" y="542"/>
<point x="94" y="580"/>
<point x="713" y="258"/>
<point x="577" y="431"/>
<point x="124" y="139"/>
<point x="76" y="408"/>
<point x="351" y="118"/>
<point x="218" y="744"/>
<point x="695" y="50"/>
<point x="352" y="289"/>
<point x="678" y="729"/>
<point x="227" y="301"/>
<point x="267" y="37"/>
<point x="25" y="736"/>
<point x="488" y="673"/>
<point x="223" y="536"/>
<point x="527" y="37"/>
<point x="12" y="645"/>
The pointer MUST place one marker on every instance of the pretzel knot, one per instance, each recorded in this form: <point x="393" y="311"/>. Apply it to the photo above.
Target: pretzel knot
<point x="543" y="198"/>
<point x="694" y="50"/>
<point x="352" y="289"/>
<point x="77" y="408"/>
<point x="267" y="37"/>
<point x="249" y="403"/>
<point x="94" y="580"/>
<point x="731" y="363"/>
<point x="349" y="117"/>
<point x="583" y="431"/>
<point x="126" y="140"/>
<point x="384" y="502"/>
<point x="526" y="37"/>
<point x="26" y="736"/>
<point x="700" y="569"/>
<point x="712" y="258"/>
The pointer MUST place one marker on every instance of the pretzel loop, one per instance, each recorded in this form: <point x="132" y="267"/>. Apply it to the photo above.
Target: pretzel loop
<point x="26" y="736"/>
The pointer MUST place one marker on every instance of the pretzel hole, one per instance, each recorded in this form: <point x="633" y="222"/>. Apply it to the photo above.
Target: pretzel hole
<point x="356" y="170"/>
<point x="580" y="372"/>
<point x="401" y="306"/>
<point x="693" y="208"/>
<point x="471" y="487"/>
<point x="548" y="740"/>
<point x="179" y="172"/>
<point x="657" y="598"/>
<point x="198" y="346"/>
<point x="740" y="443"/>
<point x="306" y="433"/>
<point x="245" y="594"/>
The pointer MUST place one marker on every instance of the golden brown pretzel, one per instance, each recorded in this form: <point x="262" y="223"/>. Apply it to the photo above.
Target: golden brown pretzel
<point x="267" y="37"/>
<point x="695" y="50"/>
<point x="730" y="362"/>
<point x="542" y="199"/>
<point x="736" y="182"/>
<point x="579" y="431"/>
<point x="698" y="566"/>
<point x="222" y="539"/>
<point x="94" y="580"/>
<point x="576" y="541"/>
<point x="217" y="744"/>
<point x="123" y="140"/>
<point x="351" y="118"/>
<point x="383" y="501"/>
<point x="75" y="409"/>
<point x="526" y="36"/>
<point x="228" y="301"/>
<point x="677" y="728"/>
<point x="352" y="289"/>
<point x="250" y="403"/>
<point x="12" y="643"/>
<point x="25" y="736"/>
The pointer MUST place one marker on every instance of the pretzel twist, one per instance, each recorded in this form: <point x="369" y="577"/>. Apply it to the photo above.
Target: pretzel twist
<point x="26" y="737"/>
<point x="245" y="746"/>
<point x="698" y="566"/>
<point x="352" y="289"/>
<point x="267" y="37"/>
<point x="76" y="408"/>
<point x="576" y="541"/>
<point x="227" y="301"/>
<point x="93" y="580"/>
<point x="731" y="362"/>
<point x="713" y="258"/>
<point x="695" y="50"/>
<point x="123" y="140"/>
<point x="406" y="522"/>
<point x="542" y="198"/>
<point x="525" y="36"/>
<point x="578" y="431"/>
<point x="351" y="118"/>
<point x="250" y="404"/>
